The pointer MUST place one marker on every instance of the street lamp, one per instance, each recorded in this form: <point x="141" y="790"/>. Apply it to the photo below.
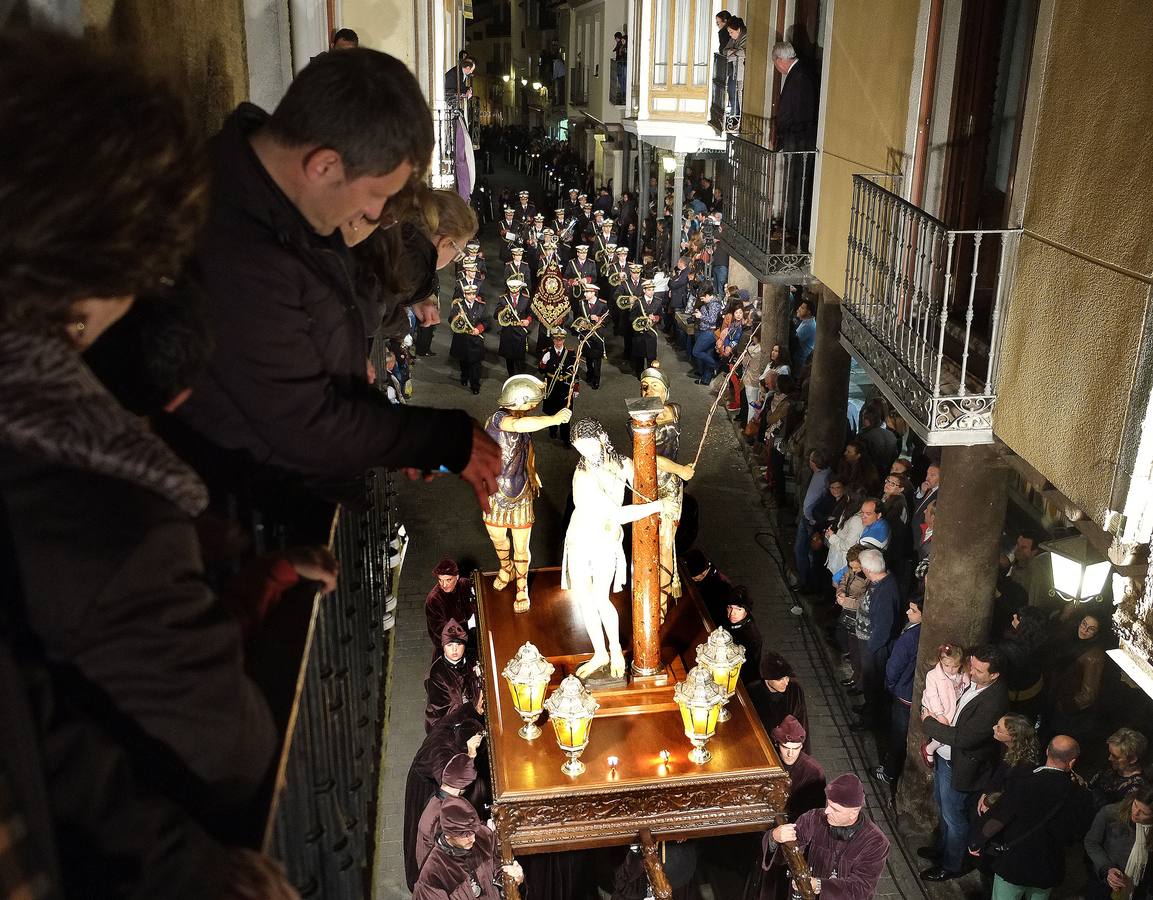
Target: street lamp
<point x="505" y="78"/>
<point x="528" y="675"/>
<point x="524" y="82"/>
<point x="1079" y="571"/>
<point x="700" y="699"/>
<point x="723" y="659"/>
<point x="670" y="164"/>
<point x="536" y="85"/>
<point x="571" y="709"/>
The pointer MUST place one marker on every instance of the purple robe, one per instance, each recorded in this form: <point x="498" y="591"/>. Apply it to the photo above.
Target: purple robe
<point x="849" y="870"/>
<point x="445" y="876"/>
<point x="439" y="607"/>
<point x="448" y="686"/>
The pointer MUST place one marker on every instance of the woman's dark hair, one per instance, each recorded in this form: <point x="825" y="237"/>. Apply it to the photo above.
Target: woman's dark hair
<point x="103" y="184"/>
<point x="736" y="22"/>
<point x="1143" y="795"/>
<point x="724" y="15"/>
<point x="783" y="357"/>
<point x="365" y="105"/>
<point x="1023" y="747"/>
<point x="1032" y="629"/>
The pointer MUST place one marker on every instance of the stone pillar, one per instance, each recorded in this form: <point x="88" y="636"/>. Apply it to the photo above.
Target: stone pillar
<point x="678" y="209"/>
<point x="959" y="589"/>
<point x="646" y="575"/>
<point x="826" y="419"/>
<point x="775" y="316"/>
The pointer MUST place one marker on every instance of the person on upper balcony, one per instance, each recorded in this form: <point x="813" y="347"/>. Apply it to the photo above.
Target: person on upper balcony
<point x="797" y="106"/>
<point x="735" y="53"/>
<point x="723" y="29"/>
<point x="458" y="79"/>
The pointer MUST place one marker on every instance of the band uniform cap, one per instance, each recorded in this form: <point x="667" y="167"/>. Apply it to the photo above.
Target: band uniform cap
<point x="508" y="210"/>
<point x="559" y="209"/>
<point x="607" y="222"/>
<point x="452" y="633"/>
<point x="582" y="248"/>
<point x="522" y="389"/>
<point x="459" y="772"/>
<point x="549" y="245"/>
<point x="647" y="284"/>
<point x="468" y="289"/>
<point x="518" y="249"/>
<point x="612" y="248"/>
<point x="515" y="283"/>
<point x="593" y="288"/>
<point x="458" y="818"/>
<point x="574" y="191"/>
<point x="446" y="567"/>
<point x="621" y="248"/>
<point x="790" y="731"/>
<point x="472" y="245"/>
<point x="846" y="790"/>
<point x="635" y="267"/>
<point x="523" y="194"/>
<point x="558" y="333"/>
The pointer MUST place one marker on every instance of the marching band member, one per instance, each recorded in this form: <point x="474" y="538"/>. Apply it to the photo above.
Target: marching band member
<point x="468" y="277"/>
<point x="513" y="314"/>
<point x="517" y="267"/>
<point x="469" y="323"/>
<point x="524" y="210"/>
<point x="558" y="366"/>
<point x="589" y="311"/>
<point x="645" y="319"/>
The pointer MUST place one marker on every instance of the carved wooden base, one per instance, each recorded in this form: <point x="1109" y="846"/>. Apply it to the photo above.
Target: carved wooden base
<point x="538" y="808"/>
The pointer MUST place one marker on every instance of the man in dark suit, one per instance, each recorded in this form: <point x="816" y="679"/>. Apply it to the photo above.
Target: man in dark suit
<point x="1035" y="821"/>
<point x="796" y="130"/>
<point x="965" y="758"/>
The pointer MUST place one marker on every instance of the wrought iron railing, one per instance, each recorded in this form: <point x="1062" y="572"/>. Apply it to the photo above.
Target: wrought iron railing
<point x="578" y="85"/>
<point x="770" y="208"/>
<point x="922" y="309"/>
<point x="726" y="97"/>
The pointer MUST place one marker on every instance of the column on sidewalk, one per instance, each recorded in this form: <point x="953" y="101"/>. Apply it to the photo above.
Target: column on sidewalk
<point x="644" y="195"/>
<point x="678" y="209"/>
<point x="959" y="588"/>
<point x="826" y="416"/>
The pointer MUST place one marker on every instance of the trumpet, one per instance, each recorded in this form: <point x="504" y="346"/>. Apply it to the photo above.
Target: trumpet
<point x="460" y="322"/>
<point x="507" y="316"/>
<point x="616" y="277"/>
<point x="642" y="324"/>
<point x="625" y="301"/>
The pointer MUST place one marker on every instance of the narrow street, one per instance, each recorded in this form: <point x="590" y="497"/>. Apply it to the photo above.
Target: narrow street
<point x="737" y="532"/>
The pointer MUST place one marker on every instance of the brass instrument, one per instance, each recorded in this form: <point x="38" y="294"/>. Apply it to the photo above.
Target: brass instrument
<point x="643" y="324"/>
<point x="507" y="316"/>
<point x="602" y="258"/>
<point x="625" y="301"/>
<point x="616" y="278"/>
<point x="582" y="324"/>
<point x="460" y="322"/>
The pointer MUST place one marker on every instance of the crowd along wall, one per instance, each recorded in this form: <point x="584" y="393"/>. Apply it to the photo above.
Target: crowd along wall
<point x="868" y="70"/>
<point x="1075" y="318"/>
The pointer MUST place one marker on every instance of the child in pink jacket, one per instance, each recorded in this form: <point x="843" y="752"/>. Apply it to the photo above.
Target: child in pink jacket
<point x="944" y="684"/>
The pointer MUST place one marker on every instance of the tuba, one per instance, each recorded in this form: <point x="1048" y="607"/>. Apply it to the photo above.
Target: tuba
<point x="460" y="322"/>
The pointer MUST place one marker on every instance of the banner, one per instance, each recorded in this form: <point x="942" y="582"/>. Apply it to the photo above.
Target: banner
<point x="465" y="161"/>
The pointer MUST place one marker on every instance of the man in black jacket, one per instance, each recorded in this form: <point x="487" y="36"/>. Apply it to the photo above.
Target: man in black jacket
<point x="1034" y="823"/>
<point x="967" y="754"/>
<point x="288" y="388"/>
<point x="796" y="130"/>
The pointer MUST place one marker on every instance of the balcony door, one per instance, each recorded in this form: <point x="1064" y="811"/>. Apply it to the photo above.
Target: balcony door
<point x="993" y="56"/>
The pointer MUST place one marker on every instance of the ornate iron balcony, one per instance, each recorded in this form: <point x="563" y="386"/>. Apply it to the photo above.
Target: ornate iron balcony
<point x="922" y="312"/>
<point x="770" y="207"/>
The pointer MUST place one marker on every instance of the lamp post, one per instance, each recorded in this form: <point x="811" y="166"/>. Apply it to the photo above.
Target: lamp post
<point x="1079" y="571"/>
<point x="723" y="659"/>
<point x="700" y="699"/>
<point x="528" y="675"/>
<point x="571" y="709"/>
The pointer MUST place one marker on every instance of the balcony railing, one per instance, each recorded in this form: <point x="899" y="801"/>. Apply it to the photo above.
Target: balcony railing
<point x="578" y="85"/>
<point x="922" y="311"/>
<point x="770" y="208"/>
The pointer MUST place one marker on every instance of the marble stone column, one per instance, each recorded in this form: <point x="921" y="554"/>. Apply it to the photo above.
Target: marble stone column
<point x="826" y="418"/>
<point x="959" y="589"/>
<point x="646" y="574"/>
<point x="678" y="209"/>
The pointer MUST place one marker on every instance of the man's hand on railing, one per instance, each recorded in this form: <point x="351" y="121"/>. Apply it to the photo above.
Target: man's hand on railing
<point x="253" y="876"/>
<point x="315" y="564"/>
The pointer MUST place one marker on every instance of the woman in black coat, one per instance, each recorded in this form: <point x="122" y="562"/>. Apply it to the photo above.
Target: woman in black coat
<point x="103" y="576"/>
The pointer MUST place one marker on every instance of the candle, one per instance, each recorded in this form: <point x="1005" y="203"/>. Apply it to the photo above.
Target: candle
<point x="612" y="761"/>
<point x="665" y="757"/>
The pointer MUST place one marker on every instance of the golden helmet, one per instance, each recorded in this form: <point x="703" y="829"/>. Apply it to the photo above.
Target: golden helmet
<point x="522" y="390"/>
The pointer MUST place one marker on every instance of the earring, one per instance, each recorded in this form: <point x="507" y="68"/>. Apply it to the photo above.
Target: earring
<point x="79" y="326"/>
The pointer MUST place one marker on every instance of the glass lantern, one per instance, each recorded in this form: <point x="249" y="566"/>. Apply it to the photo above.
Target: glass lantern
<point x="700" y="699"/>
<point x="528" y="674"/>
<point x="571" y="709"/>
<point x="723" y="658"/>
<point x="1079" y="571"/>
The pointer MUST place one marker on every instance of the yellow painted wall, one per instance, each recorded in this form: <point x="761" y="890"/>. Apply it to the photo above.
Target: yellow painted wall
<point x="385" y="25"/>
<point x="1072" y="327"/>
<point x="198" y="45"/>
<point x="868" y="66"/>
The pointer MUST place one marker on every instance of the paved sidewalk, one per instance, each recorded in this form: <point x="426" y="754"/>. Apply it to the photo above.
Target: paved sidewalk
<point x="736" y="531"/>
